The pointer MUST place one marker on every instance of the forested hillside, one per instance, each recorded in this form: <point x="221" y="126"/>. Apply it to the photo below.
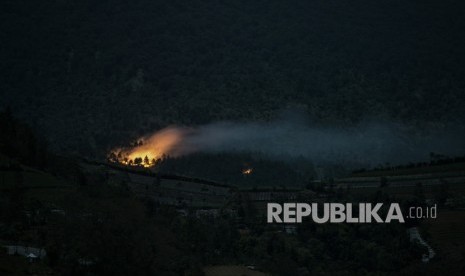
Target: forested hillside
<point x="91" y="73"/>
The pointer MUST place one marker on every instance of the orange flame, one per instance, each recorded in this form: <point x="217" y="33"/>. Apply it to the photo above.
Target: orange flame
<point x="247" y="171"/>
<point x="151" y="149"/>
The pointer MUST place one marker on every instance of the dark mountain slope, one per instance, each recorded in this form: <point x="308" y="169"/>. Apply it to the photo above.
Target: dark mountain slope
<point x="88" y="74"/>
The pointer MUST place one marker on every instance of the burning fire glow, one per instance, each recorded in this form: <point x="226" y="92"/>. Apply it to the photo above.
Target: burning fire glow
<point x="149" y="150"/>
<point x="247" y="171"/>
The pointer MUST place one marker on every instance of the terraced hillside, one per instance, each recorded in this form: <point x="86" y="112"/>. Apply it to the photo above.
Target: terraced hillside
<point x="431" y="180"/>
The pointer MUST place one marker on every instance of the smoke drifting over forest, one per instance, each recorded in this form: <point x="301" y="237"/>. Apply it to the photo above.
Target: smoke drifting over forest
<point x="368" y="144"/>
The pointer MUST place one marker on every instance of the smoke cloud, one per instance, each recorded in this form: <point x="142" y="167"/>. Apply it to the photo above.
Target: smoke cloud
<point x="367" y="144"/>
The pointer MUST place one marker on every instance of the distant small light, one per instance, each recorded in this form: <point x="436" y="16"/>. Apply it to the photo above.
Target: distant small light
<point x="247" y="171"/>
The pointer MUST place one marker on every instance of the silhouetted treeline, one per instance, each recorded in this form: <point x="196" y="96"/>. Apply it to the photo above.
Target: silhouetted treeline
<point x="435" y="161"/>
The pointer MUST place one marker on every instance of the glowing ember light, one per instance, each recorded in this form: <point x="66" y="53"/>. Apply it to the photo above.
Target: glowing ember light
<point x="151" y="149"/>
<point x="247" y="171"/>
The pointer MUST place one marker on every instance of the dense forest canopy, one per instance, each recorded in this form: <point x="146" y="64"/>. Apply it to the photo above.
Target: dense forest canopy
<point x="89" y="74"/>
